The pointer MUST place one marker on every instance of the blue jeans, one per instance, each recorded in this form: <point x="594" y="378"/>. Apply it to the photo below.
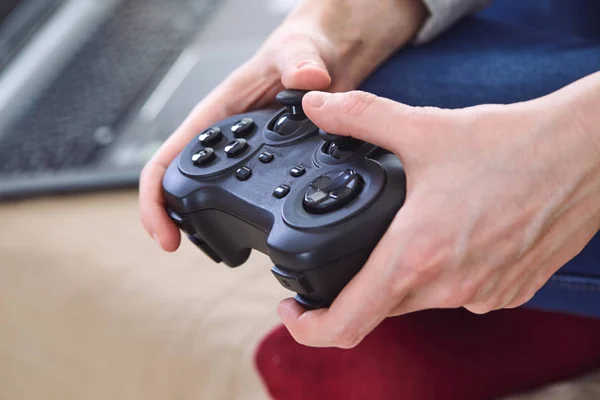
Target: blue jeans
<point x="509" y="53"/>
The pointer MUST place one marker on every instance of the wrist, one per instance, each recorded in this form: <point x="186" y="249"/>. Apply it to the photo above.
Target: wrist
<point x="362" y="31"/>
<point x="579" y="105"/>
<point x="577" y="125"/>
<point x="383" y="23"/>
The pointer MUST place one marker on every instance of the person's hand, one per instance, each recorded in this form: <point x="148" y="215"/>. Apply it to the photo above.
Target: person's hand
<point x="499" y="197"/>
<point x="323" y="44"/>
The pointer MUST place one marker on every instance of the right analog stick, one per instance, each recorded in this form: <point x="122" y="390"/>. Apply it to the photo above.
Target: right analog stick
<point x="339" y="147"/>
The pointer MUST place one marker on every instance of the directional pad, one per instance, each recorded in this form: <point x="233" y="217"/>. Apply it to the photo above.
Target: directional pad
<point x="331" y="192"/>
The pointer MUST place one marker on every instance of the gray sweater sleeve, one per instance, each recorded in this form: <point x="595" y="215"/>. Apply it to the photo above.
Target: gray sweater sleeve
<point x="445" y="13"/>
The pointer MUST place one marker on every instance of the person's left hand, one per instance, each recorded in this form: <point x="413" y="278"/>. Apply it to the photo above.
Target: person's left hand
<point x="499" y="197"/>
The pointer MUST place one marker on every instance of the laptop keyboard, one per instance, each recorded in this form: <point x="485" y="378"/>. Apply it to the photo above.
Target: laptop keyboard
<point x="78" y="116"/>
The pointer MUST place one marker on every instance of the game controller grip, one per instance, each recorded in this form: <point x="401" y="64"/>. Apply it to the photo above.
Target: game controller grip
<point x="318" y="288"/>
<point x="219" y="235"/>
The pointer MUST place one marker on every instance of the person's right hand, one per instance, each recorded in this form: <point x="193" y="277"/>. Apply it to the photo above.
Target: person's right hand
<point x="322" y="45"/>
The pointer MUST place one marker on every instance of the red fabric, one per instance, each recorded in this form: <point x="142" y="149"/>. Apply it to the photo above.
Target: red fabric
<point x="445" y="354"/>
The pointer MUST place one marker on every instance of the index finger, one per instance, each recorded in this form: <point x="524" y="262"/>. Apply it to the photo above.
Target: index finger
<point x="235" y="95"/>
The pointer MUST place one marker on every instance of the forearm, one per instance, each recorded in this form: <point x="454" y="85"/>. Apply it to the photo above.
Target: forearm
<point x="376" y="23"/>
<point x="579" y="102"/>
<point x="444" y="14"/>
<point x="585" y="95"/>
<point x="363" y="32"/>
<point x="569" y="122"/>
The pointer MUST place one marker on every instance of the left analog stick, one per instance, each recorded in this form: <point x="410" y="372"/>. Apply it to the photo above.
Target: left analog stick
<point x="294" y="115"/>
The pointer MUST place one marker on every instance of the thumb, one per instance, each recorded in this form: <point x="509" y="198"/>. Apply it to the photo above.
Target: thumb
<point x="366" y="117"/>
<point x="302" y="67"/>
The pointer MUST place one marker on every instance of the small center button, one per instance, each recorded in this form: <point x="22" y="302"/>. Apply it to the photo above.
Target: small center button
<point x="210" y="136"/>
<point x="281" y="191"/>
<point x="243" y="127"/>
<point x="266" y="157"/>
<point x="236" y="147"/>
<point x="203" y="157"/>
<point x="297" y="171"/>
<point x="243" y="173"/>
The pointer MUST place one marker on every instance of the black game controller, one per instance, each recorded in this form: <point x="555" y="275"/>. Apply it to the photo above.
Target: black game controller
<point x="316" y="204"/>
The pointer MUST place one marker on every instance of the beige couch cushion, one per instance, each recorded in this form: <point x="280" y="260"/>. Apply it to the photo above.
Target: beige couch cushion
<point x="91" y="309"/>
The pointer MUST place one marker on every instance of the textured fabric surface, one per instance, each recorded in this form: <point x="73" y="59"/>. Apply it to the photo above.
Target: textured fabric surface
<point x="432" y="355"/>
<point x="445" y="13"/>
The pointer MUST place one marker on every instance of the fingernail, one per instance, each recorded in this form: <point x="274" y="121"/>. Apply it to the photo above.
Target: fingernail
<point x="316" y="99"/>
<point x="157" y="240"/>
<point x="308" y="64"/>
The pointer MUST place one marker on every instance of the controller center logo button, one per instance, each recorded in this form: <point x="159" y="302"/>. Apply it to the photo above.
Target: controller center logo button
<point x="203" y="157"/>
<point x="331" y="192"/>
<point x="210" y="136"/>
<point x="236" y="147"/>
<point x="243" y="127"/>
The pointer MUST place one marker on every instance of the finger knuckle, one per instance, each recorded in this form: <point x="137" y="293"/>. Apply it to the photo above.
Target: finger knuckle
<point x="538" y="282"/>
<point x="145" y="172"/>
<point x="472" y="288"/>
<point x="414" y="268"/>
<point x="518" y="302"/>
<point x="456" y="296"/>
<point x="347" y="338"/>
<point x="528" y="293"/>
<point x="301" y="339"/>
<point x="483" y="307"/>
<point x="356" y="102"/>
<point x="423" y="118"/>
<point x="301" y="335"/>
<point x="289" y="37"/>
<point x="427" y="263"/>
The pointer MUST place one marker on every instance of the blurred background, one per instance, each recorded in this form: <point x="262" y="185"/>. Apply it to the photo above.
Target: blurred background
<point x="90" y="308"/>
<point x="89" y="89"/>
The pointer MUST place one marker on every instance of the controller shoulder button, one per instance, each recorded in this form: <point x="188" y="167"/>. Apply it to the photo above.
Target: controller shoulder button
<point x="293" y="281"/>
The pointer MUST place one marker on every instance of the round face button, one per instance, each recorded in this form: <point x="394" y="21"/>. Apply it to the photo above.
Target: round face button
<point x="210" y="136"/>
<point x="243" y="127"/>
<point x="236" y="147"/>
<point x="331" y="192"/>
<point x="203" y="157"/>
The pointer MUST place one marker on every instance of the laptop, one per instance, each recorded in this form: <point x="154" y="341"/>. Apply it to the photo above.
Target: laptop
<point x="90" y="89"/>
